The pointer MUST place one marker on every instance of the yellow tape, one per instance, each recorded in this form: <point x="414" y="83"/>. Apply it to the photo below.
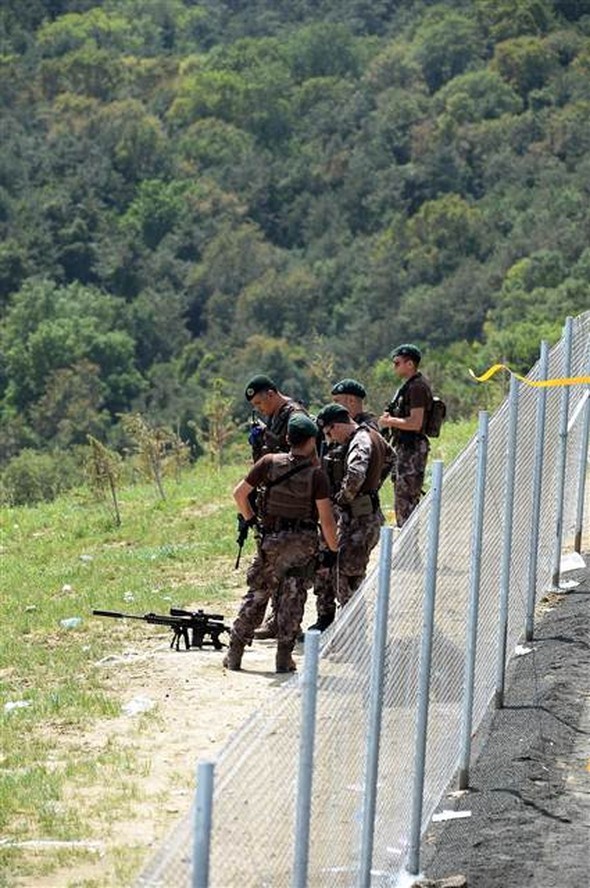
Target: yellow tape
<point x="540" y="383"/>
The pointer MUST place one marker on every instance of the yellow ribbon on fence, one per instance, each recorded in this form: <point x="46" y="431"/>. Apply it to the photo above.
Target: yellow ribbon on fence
<point x="539" y="383"/>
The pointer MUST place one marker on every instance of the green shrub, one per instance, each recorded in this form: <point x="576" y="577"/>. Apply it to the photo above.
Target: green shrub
<point x="33" y="476"/>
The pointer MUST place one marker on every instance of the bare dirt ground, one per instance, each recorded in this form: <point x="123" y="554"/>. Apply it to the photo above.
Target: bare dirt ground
<point x="529" y="801"/>
<point x="196" y="706"/>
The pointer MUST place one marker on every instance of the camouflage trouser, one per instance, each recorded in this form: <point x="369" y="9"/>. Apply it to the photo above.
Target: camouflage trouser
<point x="408" y="478"/>
<point x="357" y="537"/>
<point x="277" y="554"/>
<point x="325" y="592"/>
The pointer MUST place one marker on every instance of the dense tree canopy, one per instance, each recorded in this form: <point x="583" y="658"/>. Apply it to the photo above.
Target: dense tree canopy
<point x="191" y="192"/>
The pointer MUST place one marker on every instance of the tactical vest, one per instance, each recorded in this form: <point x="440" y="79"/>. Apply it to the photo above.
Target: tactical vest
<point x="291" y="499"/>
<point x="400" y="406"/>
<point x="380" y="457"/>
<point x="275" y="436"/>
<point x="334" y="462"/>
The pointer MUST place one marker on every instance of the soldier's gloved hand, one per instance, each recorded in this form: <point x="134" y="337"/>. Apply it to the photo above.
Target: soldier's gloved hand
<point x="326" y="559"/>
<point x="244" y="524"/>
<point x="256" y="434"/>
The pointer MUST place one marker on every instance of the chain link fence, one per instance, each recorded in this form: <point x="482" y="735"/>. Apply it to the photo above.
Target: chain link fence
<point x="255" y="787"/>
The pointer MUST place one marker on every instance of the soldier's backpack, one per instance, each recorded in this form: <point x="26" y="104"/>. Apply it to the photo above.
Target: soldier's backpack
<point x="435" y="418"/>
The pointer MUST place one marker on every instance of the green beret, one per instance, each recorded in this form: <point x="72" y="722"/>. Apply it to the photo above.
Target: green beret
<point x="302" y="425"/>
<point x="332" y="413"/>
<point x="349" y="387"/>
<point x="260" y="383"/>
<point x="407" y="350"/>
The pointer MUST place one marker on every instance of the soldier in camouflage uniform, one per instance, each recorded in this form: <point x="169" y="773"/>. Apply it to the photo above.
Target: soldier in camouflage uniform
<point x="365" y="460"/>
<point x="295" y="495"/>
<point x="349" y="393"/>
<point x="406" y="418"/>
<point x="269" y="437"/>
<point x="265" y="398"/>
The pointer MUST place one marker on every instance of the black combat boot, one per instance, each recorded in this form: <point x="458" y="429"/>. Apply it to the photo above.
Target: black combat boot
<point x="233" y="658"/>
<point x="322" y="622"/>
<point x="284" y="660"/>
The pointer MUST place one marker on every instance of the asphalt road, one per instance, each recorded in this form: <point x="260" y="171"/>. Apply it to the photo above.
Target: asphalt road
<point x="529" y="793"/>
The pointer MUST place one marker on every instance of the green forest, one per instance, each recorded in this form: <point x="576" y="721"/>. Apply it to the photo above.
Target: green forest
<point x="193" y="192"/>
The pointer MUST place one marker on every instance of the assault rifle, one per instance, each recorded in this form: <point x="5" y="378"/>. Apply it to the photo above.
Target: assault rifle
<point x="243" y="528"/>
<point x="391" y="435"/>
<point x="196" y="628"/>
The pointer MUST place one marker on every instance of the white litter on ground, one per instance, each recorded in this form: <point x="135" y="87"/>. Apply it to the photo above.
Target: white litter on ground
<point x="450" y="815"/>
<point x="568" y="584"/>
<point x="571" y="561"/>
<point x="16" y="704"/>
<point x="137" y="705"/>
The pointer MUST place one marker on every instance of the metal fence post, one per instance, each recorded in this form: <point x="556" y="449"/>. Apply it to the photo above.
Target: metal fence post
<point x="413" y="865"/>
<point x="536" y="497"/>
<point x="562" y="460"/>
<point x="507" y="543"/>
<point x="376" y="711"/>
<point x="309" y="684"/>
<point x="474" y="584"/>
<point x="202" y="825"/>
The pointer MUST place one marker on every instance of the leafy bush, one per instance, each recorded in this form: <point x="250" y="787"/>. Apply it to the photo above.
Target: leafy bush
<point x="33" y="477"/>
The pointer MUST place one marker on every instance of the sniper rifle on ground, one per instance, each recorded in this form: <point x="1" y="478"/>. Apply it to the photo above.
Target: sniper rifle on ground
<point x="196" y="628"/>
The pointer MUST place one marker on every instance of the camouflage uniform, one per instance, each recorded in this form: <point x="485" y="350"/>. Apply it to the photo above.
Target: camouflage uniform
<point x="368" y="419"/>
<point x="287" y="546"/>
<point x="411" y="448"/>
<point x="273" y="439"/>
<point x="325" y="605"/>
<point x="357" y="538"/>
<point x="408" y="476"/>
<point x="277" y="554"/>
<point x="366" y="461"/>
<point x="323" y="585"/>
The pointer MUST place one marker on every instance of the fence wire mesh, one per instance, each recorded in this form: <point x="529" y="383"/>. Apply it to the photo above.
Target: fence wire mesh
<point x="256" y="773"/>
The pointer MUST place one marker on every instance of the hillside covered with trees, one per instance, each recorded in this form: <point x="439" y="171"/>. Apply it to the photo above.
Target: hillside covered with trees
<point x="191" y="192"/>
